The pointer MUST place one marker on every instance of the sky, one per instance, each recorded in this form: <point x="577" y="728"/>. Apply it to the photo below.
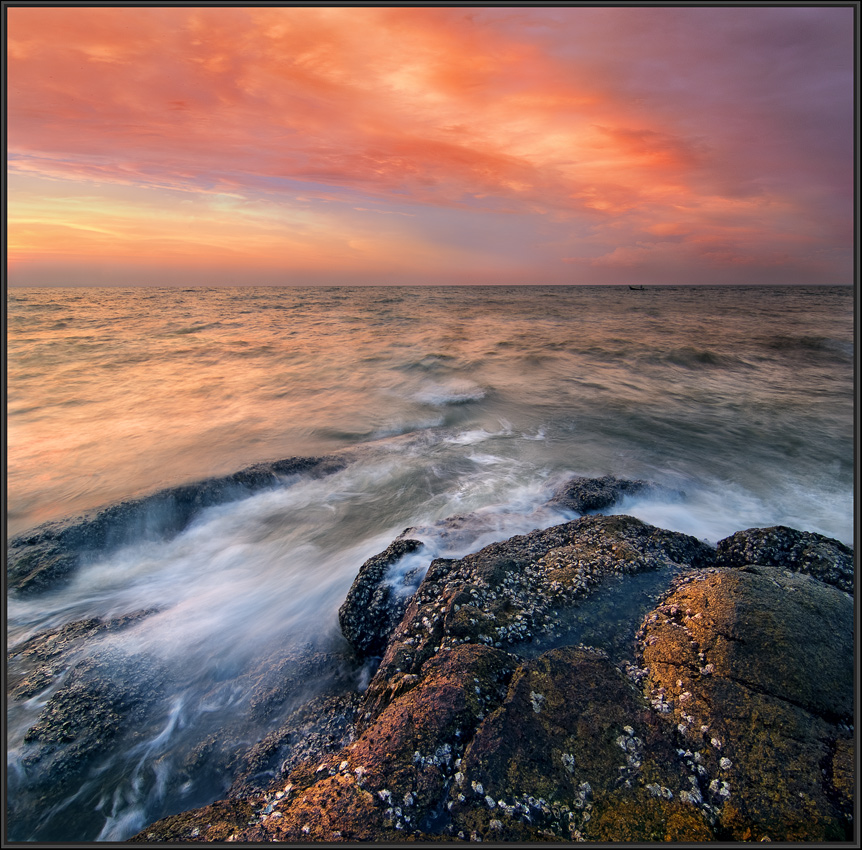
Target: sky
<point x="483" y="145"/>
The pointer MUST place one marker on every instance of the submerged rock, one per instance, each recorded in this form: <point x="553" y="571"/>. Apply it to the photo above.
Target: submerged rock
<point x="317" y="729"/>
<point x="37" y="662"/>
<point x="100" y="696"/>
<point x="38" y="559"/>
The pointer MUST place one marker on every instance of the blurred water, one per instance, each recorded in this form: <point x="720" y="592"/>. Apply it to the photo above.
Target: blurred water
<point x="447" y="401"/>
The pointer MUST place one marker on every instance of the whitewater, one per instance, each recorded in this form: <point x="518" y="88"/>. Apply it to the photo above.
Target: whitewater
<point x="439" y="401"/>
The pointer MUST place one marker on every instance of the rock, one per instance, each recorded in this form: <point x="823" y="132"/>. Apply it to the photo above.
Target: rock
<point x="303" y="700"/>
<point x="754" y="667"/>
<point x="215" y="823"/>
<point x="486" y="720"/>
<point x="371" y="610"/>
<point x="525" y="594"/>
<point x="375" y="605"/>
<point x="573" y="742"/>
<point x="801" y="551"/>
<point x="583" y="495"/>
<point x="40" y="558"/>
<point x="37" y="662"/>
<point x="313" y="732"/>
<point x="101" y="695"/>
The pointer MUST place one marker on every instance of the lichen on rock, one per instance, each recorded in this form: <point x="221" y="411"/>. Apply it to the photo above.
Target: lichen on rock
<point x="754" y="666"/>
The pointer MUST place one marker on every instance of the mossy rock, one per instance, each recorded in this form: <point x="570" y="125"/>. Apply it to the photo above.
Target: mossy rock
<point x="571" y="731"/>
<point x="215" y="823"/>
<point x="617" y="819"/>
<point x="754" y="667"/>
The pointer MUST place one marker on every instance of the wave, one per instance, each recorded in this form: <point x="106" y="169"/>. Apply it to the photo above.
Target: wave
<point x="809" y="344"/>
<point x="691" y="357"/>
<point x="455" y="391"/>
<point x="432" y="362"/>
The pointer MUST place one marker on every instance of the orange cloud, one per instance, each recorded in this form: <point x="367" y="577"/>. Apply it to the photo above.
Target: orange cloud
<point x="514" y="112"/>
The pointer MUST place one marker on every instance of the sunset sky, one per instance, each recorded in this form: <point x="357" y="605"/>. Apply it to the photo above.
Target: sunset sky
<point x="196" y="146"/>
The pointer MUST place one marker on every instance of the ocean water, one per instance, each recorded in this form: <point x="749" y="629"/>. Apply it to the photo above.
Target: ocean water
<point x="443" y="401"/>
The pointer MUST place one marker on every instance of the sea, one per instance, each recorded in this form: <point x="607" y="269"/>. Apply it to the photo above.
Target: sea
<point x="470" y="401"/>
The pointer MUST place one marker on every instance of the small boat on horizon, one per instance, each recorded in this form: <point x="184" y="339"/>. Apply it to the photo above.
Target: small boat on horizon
<point x="636" y="287"/>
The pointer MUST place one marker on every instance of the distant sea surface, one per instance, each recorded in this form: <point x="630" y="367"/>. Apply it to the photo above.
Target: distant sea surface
<point x="450" y="400"/>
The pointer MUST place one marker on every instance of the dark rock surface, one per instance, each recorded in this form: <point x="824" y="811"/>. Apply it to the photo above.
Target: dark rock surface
<point x="372" y="609"/>
<point x="37" y="662"/>
<point x="583" y="495"/>
<point x="801" y="551"/>
<point x="100" y="695"/>
<point x="317" y="729"/>
<point x="755" y="666"/>
<point x="43" y="556"/>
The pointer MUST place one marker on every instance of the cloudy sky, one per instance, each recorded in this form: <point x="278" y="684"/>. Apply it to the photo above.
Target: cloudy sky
<point x="194" y="145"/>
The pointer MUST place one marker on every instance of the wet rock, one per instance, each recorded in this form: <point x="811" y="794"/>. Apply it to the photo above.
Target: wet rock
<point x="375" y="604"/>
<point x="391" y="782"/>
<point x="100" y="696"/>
<point x="211" y="824"/>
<point x="37" y="662"/>
<point x="289" y="676"/>
<point x="754" y="667"/>
<point x="40" y="558"/>
<point x="527" y="590"/>
<point x="373" y="607"/>
<point x="317" y="729"/>
<point x="573" y="742"/>
<point x="302" y="700"/>
<point x="584" y="495"/>
<point x="801" y="551"/>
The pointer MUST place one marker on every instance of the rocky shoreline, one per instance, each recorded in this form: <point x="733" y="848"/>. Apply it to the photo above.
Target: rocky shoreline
<point x="600" y="680"/>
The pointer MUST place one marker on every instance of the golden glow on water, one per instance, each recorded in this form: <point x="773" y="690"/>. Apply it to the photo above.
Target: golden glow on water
<point x="115" y="393"/>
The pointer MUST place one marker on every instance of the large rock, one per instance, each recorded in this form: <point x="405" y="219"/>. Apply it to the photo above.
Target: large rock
<point x="40" y="558"/>
<point x="754" y="667"/>
<point x="378" y="598"/>
<point x="573" y="742"/>
<point x="486" y="720"/>
<point x="373" y="607"/>
<point x="801" y="551"/>
<point x="527" y="594"/>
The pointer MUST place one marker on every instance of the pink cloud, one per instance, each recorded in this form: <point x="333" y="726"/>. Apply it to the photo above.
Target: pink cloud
<point x="605" y="129"/>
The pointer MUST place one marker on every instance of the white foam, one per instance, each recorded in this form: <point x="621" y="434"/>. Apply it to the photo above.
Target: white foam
<point x="711" y="514"/>
<point x="453" y="391"/>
